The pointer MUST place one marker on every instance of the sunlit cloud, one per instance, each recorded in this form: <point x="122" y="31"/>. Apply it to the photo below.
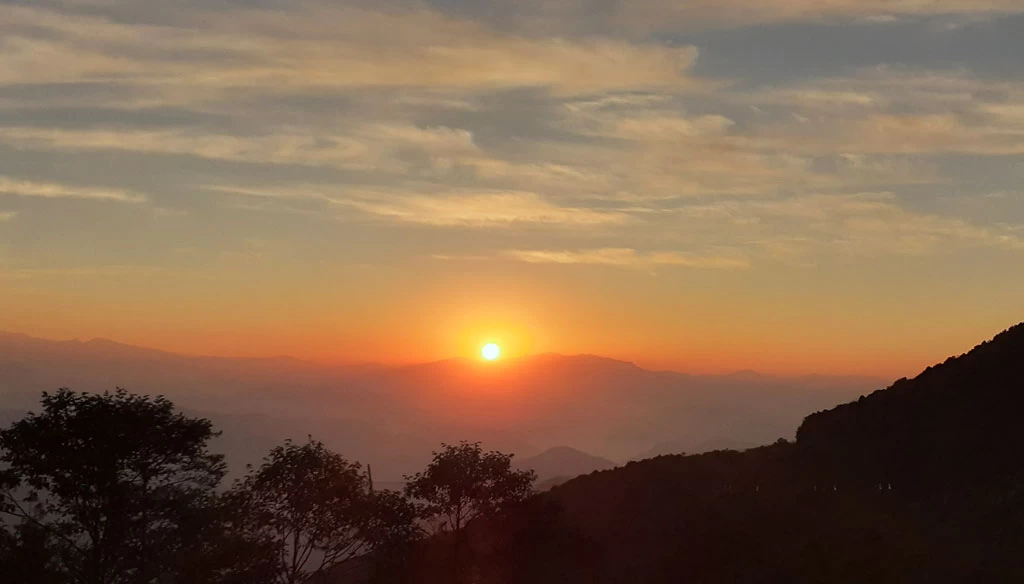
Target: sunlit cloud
<point x="49" y="190"/>
<point x="627" y="258"/>
<point x="895" y="134"/>
<point x="377" y="146"/>
<point x="894" y="111"/>
<point x="320" y="47"/>
<point x="472" y="209"/>
<point x="865" y="224"/>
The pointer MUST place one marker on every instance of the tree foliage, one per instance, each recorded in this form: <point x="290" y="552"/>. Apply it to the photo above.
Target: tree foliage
<point x="390" y="521"/>
<point x="112" y="484"/>
<point x="463" y="482"/>
<point x="310" y="503"/>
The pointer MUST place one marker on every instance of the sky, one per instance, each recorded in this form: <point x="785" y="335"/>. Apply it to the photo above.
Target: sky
<point x="791" y="186"/>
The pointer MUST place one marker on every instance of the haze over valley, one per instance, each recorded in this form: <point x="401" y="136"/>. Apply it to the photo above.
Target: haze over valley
<point x="392" y="417"/>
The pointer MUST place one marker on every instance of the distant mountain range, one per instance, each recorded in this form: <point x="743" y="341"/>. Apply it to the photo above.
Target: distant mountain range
<point x="392" y="417"/>
<point x="922" y="482"/>
<point x="561" y="463"/>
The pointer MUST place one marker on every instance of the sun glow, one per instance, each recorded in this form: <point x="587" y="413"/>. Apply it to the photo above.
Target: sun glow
<point x="490" y="351"/>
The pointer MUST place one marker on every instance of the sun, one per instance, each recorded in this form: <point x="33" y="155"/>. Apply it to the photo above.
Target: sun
<point x="490" y="351"/>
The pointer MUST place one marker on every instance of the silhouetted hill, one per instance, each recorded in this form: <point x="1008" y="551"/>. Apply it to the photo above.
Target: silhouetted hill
<point x="922" y="482"/>
<point x="680" y="447"/>
<point x="563" y="462"/>
<point x="955" y="422"/>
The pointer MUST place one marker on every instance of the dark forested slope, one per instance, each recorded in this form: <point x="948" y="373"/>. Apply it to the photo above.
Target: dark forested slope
<point x="958" y="422"/>
<point x="920" y="482"/>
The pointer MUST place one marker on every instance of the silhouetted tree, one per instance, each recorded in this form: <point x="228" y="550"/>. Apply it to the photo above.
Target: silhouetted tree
<point x="27" y="556"/>
<point x="223" y="551"/>
<point x="462" y="483"/>
<point x="390" y="520"/>
<point x="110" y="484"/>
<point x="391" y="529"/>
<point x="310" y="503"/>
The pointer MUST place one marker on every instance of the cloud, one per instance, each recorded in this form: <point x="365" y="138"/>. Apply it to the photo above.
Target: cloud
<point x="817" y="98"/>
<point x="476" y="209"/>
<point x="78" y="272"/>
<point x="452" y="123"/>
<point x="318" y="46"/>
<point x="884" y="133"/>
<point x="865" y="224"/>
<point x="473" y="208"/>
<point x="169" y="212"/>
<point x="49" y="190"/>
<point x="627" y="258"/>
<point x="447" y="257"/>
<point x="890" y="111"/>
<point x="640" y="17"/>
<point x="277" y="148"/>
<point x="640" y="117"/>
<point x="1006" y="113"/>
<point x="659" y="15"/>
<point x="368" y="146"/>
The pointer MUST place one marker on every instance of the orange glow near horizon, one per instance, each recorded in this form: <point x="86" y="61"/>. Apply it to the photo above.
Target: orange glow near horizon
<point x="405" y="182"/>
<point x="707" y="356"/>
<point x="680" y="326"/>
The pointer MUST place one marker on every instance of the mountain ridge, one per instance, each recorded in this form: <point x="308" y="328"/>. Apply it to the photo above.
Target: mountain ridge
<point x="392" y="417"/>
<point x="532" y="358"/>
<point x="562" y="462"/>
<point x="921" y="482"/>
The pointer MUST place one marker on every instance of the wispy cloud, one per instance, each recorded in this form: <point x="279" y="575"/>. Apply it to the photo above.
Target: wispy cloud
<point x="442" y="208"/>
<point x="893" y="111"/>
<point x="279" y="148"/>
<point x="627" y="258"/>
<point x="563" y="126"/>
<point x="648" y="15"/>
<point x="28" y="273"/>
<point x="49" y="190"/>
<point x="865" y="224"/>
<point x="476" y="209"/>
<point x="320" y="46"/>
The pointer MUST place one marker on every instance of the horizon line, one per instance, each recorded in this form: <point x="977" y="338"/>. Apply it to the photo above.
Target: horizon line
<point x="413" y="364"/>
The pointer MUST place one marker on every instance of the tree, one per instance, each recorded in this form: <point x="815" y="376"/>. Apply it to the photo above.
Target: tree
<point x="111" y="483"/>
<point x="310" y="503"/>
<point x="27" y="556"/>
<point x="391" y="528"/>
<point x="463" y="482"/>
<point x="390" y="521"/>
<point x="222" y="551"/>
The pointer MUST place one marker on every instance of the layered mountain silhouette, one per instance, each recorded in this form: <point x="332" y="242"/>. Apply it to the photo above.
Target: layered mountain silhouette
<point x="561" y="463"/>
<point x="392" y="417"/>
<point x="920" y="482"/>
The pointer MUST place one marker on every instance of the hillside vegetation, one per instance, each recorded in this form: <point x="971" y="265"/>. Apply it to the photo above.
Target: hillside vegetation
<point x="920" y="482"/>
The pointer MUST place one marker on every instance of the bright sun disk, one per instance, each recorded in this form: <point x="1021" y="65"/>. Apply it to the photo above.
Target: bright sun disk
<point x="490" y="351"/>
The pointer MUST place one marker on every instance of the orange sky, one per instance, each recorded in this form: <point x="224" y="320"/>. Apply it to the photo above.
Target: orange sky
<point x="791" y="187"/>
<point x="681" y="325"/>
